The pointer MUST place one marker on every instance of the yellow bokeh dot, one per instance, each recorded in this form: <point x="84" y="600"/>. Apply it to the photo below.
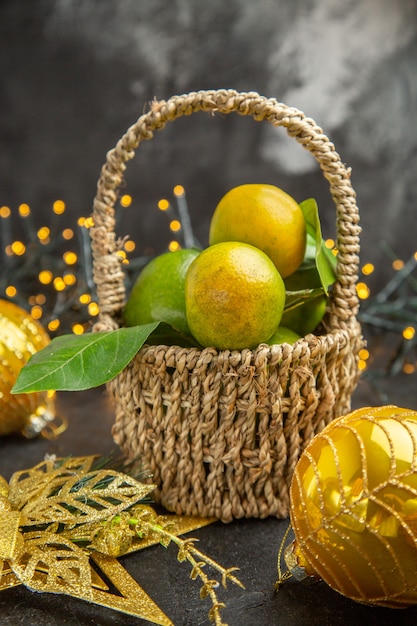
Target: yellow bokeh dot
<point x="398" y="264"/>
<point x="362" y="364"/>
<point x="59" y="283"/>
<point x="81" y="221"/>
<point x="163" y="205"/>
<point x="69" y="279"/>
<point x="68" y="233"/>
<point x="409" y="368"/>
<point x="8" y="250"/>
<point x="77" y="329"/>
<point x="24" y="210"/>
<point x="43" y="233"/>
<point x="85" y="298"/>
<point x="58" y="207"/>
<point x="367" y="269"/>
<point x="173" y="246"/>
<point x="129" y="245"/>
<point x="10" y="291"/>
<point x="179" y="191"/>
<point x="175" y="225"/>
<point x="93" y="309"/>
<point x="364" y="354"/>
<point x="329" y="243"/>
<point x="45" y="277"/>
<point x="54" y="325"/>
<point x="40" y="298"/>
<point x="70" y="257"/>
<point x="18" y="248"/>
<point x="5" y="211"/>
<point x="36" y="312"/>
<point x="363" y="291"/>
<point x="126" y="200"/>
<point x="409" y="332"/>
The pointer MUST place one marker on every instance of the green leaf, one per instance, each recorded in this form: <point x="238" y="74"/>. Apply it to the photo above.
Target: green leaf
<point x="77" y="362"/>
<point x="166" y="335"/>
<point x="294" y="299"/>
<point x="324" y="258"/>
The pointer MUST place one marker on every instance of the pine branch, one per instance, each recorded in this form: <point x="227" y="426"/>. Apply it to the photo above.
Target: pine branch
<point x="197" y="559"/>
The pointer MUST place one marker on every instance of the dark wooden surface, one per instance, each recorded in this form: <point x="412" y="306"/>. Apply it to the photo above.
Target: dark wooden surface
<point x="251" y="545"/>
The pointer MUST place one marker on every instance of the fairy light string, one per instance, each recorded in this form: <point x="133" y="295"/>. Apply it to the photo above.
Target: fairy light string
<point x="47" y="267"/>
<point x="393" y="309"/>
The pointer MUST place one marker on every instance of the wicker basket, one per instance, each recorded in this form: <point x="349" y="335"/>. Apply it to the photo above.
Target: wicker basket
<point x="221" y="431"/>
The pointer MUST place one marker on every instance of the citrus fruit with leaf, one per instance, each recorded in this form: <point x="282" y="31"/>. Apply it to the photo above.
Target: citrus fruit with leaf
<point x="265" y="217"/>
<point x="234" y="296"/>
<point x="283" y="335"/>
<point x="158" y="293"/>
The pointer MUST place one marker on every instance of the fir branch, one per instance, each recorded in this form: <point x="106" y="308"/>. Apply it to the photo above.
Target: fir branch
<point x="197" y="559"/>
<point x="393" y="309"/>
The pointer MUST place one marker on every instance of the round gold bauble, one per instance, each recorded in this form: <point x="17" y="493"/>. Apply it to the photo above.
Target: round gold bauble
<point x="354" y="506"/>
<point x="20" y="337"/>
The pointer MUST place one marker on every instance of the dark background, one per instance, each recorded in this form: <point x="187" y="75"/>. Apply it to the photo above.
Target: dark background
<point x="74" y="74"/>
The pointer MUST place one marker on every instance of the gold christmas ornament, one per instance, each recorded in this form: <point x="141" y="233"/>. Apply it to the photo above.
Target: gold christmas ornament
<point x="354" y="507"/>
<point x="62" y="515"/>
<point x="20" y="337"/>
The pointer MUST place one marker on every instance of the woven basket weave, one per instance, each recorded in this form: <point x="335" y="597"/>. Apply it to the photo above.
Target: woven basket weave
<point x="221" y="431"/>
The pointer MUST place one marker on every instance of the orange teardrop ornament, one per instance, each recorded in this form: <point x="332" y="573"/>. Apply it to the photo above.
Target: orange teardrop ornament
<point x="354" y="507"/>
<point x="20" y="337"/>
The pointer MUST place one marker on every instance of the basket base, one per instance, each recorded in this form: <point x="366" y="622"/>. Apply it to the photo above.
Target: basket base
<point x="221" y="432"/>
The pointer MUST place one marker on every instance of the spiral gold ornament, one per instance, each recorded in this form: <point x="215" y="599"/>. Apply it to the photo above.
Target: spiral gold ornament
<point x="20" y="337"/>
<point x="354" y="507"/>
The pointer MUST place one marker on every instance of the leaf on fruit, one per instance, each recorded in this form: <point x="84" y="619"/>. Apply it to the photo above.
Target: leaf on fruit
<point x="78" y="362"/>
<point x="294" y="299"/>
<point x="324" y="258"/>
<point x="166" y="335"/>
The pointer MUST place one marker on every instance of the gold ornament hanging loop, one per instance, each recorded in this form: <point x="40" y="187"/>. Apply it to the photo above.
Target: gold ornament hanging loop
<point x="53" y="429"/>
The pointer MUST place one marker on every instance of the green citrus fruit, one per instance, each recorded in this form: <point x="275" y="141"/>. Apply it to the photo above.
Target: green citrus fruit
<point x="234" y="296"/>
<point x="305" y="318"/>
<point x="158" y="293"/>
<point x="265" y="217"/>
<point x="283" y="335"/>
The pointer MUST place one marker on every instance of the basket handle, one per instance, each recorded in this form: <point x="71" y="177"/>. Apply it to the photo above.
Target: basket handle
<point x="108" y="272"/>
